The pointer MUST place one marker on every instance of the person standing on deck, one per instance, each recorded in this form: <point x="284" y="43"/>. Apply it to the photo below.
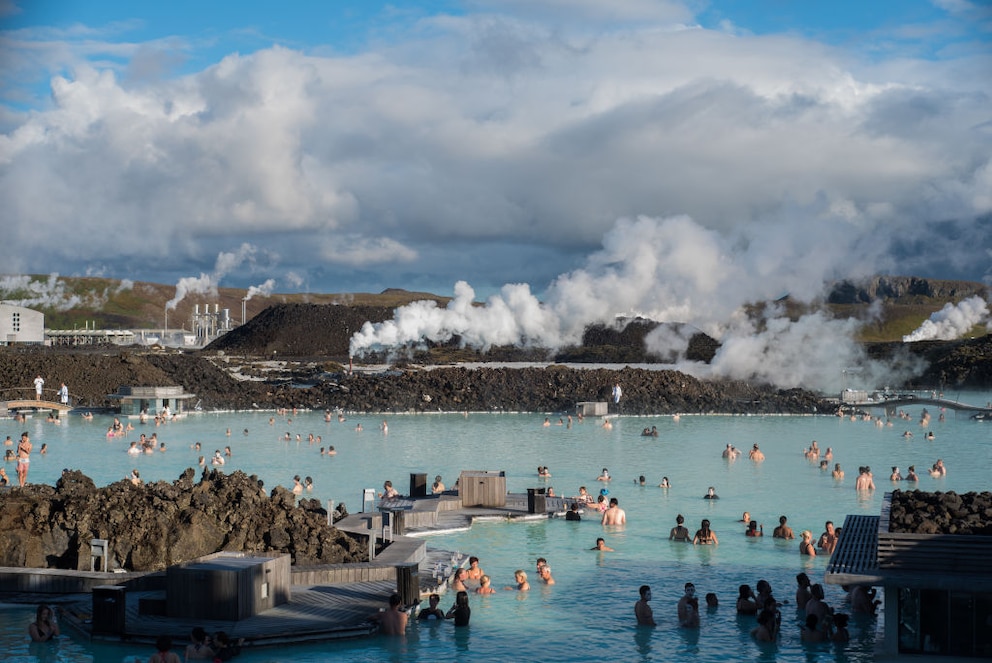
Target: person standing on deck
<point x="617" y="394"/>
<point x="39" y="384"/>
<point x="64" y="394"/>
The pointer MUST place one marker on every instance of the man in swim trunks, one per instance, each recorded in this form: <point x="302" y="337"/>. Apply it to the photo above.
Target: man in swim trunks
<point x="828" y="540"/>
<point x="783" y="531"/>
<point x="23" y="459"/>
<point x="394" y="620"/>
<point x="601" y="545"/>
<point x="614" y="515"/>
<point x="642" y="611"/>
<point x="545" y="574"/>
<point x="864" y="482"/>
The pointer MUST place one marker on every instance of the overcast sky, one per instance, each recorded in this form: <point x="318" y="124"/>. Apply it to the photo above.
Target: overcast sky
<point x="760" y="147"/>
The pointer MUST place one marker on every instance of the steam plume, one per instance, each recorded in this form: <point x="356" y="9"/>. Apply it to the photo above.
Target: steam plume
<point x="668" y="270"/>
<point x="263" y="290"/>
<point x="206" y="284"/>
<point x="23" y="290"/>
<point x="952" y="321"/>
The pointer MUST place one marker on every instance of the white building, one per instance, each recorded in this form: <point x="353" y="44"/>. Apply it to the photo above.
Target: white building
<point x="21" y="325"/>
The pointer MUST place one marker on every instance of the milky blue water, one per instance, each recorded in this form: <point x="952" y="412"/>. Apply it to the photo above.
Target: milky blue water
<point x="588" y="614"/>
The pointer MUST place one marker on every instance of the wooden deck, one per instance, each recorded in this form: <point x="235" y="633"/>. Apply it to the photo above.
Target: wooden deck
<point x="325" y="603"/>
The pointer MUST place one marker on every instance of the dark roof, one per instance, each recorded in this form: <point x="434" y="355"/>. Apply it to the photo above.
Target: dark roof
<point x="869" y="554"/>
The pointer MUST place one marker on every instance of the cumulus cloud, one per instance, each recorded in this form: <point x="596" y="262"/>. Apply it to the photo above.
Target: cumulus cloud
<point x="395" y="158"/>
<point x="951" y="322"/>
<point x="358" y="251"/>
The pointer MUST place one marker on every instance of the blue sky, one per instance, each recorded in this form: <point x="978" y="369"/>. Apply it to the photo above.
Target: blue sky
<point x="720" y="151"/>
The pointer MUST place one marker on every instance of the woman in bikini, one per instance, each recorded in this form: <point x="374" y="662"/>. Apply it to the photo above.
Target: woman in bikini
<point x="44" y="627"/>
<point x="806" y="546"/>
<point x="485" y="586"/>
<point x="474" y="571"/>
<point x="704" y="535"/>
<point x="746" y="603"/>
<point x="458" y="580"/>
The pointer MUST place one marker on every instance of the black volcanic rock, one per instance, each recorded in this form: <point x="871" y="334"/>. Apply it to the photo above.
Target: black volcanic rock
<point x="301" y="330"/>
<point x="151" y="527"/>
<point x="948" y="364"/>
<point x="902" y="289"/>
<point x="921" y="512"/>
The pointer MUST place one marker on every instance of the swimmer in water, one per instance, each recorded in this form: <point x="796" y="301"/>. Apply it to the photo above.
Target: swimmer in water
<point x="704" y="535"/>
<point x="521" y="577"/>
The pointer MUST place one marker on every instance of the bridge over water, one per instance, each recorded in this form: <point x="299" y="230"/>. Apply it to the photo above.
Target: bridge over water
<point x="12" y="402"/>
<point x="25" y="404"/>
<point x="901" y="400"/>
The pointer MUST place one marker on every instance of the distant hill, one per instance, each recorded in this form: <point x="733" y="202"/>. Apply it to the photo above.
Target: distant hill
<point x="75" y="302"/>
<point x="891" y="306"/>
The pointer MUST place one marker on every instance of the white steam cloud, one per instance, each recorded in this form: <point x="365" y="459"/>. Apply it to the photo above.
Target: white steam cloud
<point x="669" y="270"/>
<point x="952" y="321"/>
<point x="53" y="293"/>
<point x="263" y="290"/>
<point x="206" y="284"/>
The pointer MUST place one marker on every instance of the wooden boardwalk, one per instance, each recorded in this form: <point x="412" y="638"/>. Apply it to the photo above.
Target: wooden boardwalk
<point x="314" y="612"/>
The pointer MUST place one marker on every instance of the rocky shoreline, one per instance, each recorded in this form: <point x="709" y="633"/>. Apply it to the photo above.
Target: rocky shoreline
<point x="153" y="526"/>
<point x="226" y="383"/>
